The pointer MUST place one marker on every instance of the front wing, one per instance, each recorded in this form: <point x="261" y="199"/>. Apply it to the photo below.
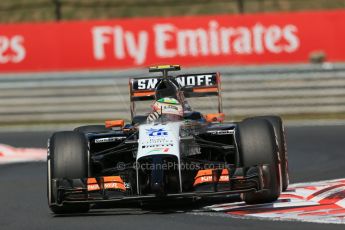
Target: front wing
<point x="73" y="191"/>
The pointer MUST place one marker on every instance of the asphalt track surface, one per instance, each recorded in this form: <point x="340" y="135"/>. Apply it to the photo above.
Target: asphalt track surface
<point x="315" y="153"/>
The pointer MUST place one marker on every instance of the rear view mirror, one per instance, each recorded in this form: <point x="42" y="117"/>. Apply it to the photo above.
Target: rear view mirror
<point x="215" y="117"/>
<point x="114" y="123"/>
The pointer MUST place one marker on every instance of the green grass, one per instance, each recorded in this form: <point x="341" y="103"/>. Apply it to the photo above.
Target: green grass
<point x="44" y="10"/>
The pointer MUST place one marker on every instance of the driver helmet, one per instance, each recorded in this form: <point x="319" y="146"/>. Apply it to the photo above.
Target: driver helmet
<point x="169" y="109"/>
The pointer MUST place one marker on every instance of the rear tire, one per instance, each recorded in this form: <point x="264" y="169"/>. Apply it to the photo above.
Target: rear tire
<point x="68" y="158"/>
<point x="91" y="129"/>
<point x="257" y="145"/>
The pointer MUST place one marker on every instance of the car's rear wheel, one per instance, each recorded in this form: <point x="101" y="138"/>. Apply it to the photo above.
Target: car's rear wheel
<point x="91" y="129"/>
<point x="257" y="146"/>
<point x="68" y="157"/>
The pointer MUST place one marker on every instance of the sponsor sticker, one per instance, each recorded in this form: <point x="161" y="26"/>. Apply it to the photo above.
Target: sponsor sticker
<point x="158" y="150"/>
<point x="198" y="80"/>
<point x="157" y="145"/>
<point x="157" y="132"/>
<point x="109" y="139"/>
<point x="220" y="132"/>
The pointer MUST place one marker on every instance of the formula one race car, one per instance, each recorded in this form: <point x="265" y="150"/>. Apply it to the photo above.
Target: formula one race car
<point x="173" y="152"/>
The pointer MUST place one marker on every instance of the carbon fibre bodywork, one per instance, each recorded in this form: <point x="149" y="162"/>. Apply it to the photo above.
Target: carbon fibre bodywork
<point x="205" y="146"/>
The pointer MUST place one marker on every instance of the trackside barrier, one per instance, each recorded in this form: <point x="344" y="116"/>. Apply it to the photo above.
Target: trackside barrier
<point x="97" y="96"/>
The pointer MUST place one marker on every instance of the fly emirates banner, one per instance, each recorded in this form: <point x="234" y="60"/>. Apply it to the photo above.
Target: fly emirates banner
<point x="189" y="41"/>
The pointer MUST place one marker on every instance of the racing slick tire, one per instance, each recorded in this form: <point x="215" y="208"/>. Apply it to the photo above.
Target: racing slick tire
<point x="91" y="128"/>
<point x="258" y="146"/>
<point x="67" y="158"/>
<point x="278" y="126"/>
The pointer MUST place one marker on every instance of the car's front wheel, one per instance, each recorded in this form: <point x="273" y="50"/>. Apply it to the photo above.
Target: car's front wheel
<point x="68" y="157"/>
<point x="278" y="126"/>
<point x="258" y="146"/>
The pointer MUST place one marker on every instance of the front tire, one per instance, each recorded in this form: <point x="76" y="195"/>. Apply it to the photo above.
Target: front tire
<point x="257" y="146"/>
<point x="68" y="158"/>
<point x="278" y="126"/>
